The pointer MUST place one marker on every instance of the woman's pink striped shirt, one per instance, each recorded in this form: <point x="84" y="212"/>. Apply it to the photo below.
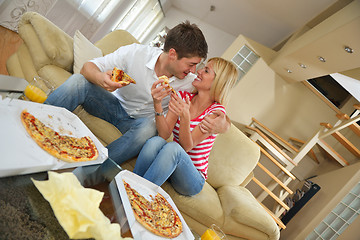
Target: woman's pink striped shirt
<point x="200" y="153"/>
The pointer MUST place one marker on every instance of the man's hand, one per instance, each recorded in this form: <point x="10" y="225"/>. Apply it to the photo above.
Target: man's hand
<point x="106" y="83"/>
<point x="219" y="124"/>
<point x="103" y="79"/>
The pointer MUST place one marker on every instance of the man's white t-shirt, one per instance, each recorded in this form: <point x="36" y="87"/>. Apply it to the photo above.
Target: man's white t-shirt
<point x="138" y="61"/>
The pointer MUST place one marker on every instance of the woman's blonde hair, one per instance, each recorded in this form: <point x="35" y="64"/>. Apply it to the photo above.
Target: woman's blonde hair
<point x="226" y="75"/>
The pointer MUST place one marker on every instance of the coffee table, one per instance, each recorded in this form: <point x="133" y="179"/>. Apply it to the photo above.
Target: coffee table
<point x="20" y="197"/>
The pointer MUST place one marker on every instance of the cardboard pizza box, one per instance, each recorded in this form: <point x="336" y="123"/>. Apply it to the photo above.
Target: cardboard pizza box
<point x="122" y="205"/>
<point x="19" y="152"/>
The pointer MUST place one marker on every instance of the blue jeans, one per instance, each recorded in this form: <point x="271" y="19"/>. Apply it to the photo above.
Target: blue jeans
<point x="159" y="161"/>
<point x="102" y="104"/>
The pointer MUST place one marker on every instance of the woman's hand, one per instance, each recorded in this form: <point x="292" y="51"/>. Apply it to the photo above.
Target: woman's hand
<point x="180" y="107"/>
<point x="159" y="91"/>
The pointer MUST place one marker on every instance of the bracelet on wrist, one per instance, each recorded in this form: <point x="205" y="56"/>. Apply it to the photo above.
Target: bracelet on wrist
<point x="159" y="114"/>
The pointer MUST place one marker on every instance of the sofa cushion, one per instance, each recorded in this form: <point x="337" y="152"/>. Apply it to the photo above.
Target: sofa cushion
<point x="26" y="63"/>
<point x="54" y="74"/>
<point x="114" y="40"/>
<point x="84" y="51"/>
<point x="232" y="159"/>
<point x="204" y="207"/>
<point x="242" y="209"/>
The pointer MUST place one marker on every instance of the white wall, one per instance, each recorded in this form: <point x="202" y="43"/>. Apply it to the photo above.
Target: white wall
<point x="218" y="40"/>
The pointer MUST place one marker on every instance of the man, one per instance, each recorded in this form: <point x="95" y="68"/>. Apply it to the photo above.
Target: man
<point x="130" y="108"/>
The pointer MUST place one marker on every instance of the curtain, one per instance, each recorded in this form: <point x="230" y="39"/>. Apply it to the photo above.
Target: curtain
<point x="139" y="17"/>
<point x="69" y="15"/>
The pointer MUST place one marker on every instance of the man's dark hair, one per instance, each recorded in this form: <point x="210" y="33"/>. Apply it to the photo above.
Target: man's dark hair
<point x="188" y="41"/>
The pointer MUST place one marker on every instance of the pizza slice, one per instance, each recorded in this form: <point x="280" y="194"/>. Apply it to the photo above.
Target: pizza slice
<point x="121" y="77"/>
<point x="63" y="147"/>
<point x="166" y="83"/>
<point x="157" y="216"/>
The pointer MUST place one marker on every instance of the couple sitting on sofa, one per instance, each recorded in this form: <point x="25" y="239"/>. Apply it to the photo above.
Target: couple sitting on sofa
<point x="193" y="118"/>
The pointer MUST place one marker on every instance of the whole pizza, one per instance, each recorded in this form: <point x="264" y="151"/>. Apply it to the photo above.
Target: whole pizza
<point x="158" y="216"/>
<point x="63" y="147"/>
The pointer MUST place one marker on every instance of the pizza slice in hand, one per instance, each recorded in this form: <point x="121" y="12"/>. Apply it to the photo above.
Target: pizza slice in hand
<point x="121" y="77"/>
<point x="166" y="83"/>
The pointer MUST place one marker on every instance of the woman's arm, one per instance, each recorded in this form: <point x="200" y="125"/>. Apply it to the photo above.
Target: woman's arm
<point x="187" y="139"/>
<point x="164" y="125"/>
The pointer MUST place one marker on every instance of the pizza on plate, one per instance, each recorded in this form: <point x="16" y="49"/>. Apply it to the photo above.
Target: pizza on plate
<point x="166" y="83"/>
<point x="63" y="147"/>
<point x="158" y="216"/>
<point x="122" y="77"/>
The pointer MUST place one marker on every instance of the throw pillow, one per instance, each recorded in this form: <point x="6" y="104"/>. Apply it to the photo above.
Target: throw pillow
<point x="84" y="51"/>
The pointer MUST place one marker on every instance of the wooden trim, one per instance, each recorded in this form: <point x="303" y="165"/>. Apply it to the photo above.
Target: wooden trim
<point x="346" y="143"/>
<point x="275" y="178"/>
<point x="287" y="172"/>
<point x="324" y="99"/>
<point x="277" y="220"/>
<point x="312" y="153"/>
<point x="354" y="127"/>
<point x="277" y="136"/>
<point x="272" y="144"/>
<point x="343" y="140"/>
<point x="333" y="150"/>
<point x="270" y="193"/>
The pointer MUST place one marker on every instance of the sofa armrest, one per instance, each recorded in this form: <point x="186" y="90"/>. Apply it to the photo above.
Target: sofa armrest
<point x="247" y="179"/>
<point x="46" y="42"/>
<point x="241" y="208"/>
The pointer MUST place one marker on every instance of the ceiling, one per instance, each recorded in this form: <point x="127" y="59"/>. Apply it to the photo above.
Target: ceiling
<point x="267" y="22"/>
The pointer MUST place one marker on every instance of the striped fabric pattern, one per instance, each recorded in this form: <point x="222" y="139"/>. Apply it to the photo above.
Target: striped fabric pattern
<point x="200" y="153"/>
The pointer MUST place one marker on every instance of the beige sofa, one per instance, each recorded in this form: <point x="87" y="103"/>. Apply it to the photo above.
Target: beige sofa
<point x="48" y="52"/>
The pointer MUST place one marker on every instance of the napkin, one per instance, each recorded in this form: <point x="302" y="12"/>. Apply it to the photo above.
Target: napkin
<point x="77" y="208"/>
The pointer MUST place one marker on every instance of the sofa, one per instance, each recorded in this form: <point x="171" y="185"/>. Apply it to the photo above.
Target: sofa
<point x="50" y="53"/>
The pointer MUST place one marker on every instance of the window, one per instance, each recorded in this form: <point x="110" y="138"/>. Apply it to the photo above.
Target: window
<point x="141" y="18"/>
<point x="339" y="218"/>
<point x="244" y="59"/>
<point x="331" y="90"/>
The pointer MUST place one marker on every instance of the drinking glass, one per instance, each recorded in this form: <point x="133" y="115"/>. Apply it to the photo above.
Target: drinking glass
<point x="38" y="90"/>
<point x="213" y="233"/>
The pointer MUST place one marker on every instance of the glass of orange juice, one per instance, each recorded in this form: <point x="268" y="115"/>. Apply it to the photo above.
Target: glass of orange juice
<point x="38" y="89"/>
<point x="213" y="233"/>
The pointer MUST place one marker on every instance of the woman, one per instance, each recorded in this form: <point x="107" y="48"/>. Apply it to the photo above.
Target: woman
<point x="184" y="161"/>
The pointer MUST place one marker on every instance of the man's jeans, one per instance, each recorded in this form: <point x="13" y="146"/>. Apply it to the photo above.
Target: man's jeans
<point x="159" y="161"/>
<point x="102" y="104"/>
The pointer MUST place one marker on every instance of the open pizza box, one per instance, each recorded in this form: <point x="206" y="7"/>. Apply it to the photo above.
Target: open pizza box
<point x="145" y="188"/>
<point x="19" y="152"/>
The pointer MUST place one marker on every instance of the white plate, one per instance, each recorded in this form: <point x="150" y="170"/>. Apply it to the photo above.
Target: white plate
<point x="145" y="188"/>
<point x="19" y="152"/>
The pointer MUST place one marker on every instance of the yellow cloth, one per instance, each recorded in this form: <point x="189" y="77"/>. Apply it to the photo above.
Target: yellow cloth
<point x="77" y="208"/>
